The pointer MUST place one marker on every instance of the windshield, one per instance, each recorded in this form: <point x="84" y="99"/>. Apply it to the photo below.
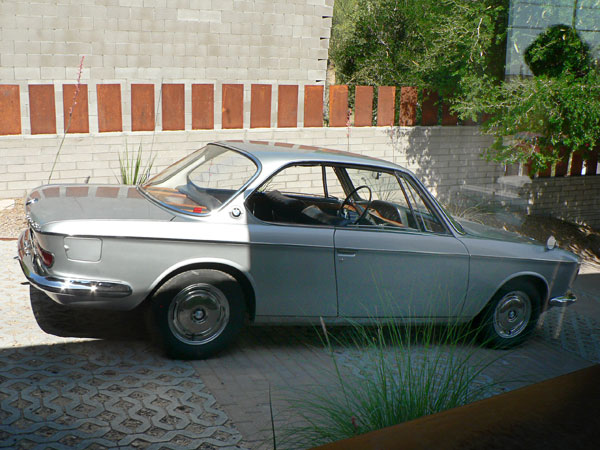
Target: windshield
<point x="202" y="181"/>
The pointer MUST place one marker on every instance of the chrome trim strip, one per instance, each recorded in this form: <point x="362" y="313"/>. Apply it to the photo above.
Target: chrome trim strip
<point x="65" y="286"/>
<point x="519" y="258"/>
<point x="564" y="300"/>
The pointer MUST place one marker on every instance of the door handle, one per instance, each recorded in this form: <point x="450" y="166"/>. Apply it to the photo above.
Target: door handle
<point x="346" y="253"/>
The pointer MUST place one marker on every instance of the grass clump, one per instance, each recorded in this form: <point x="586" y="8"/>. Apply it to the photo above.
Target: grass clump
<point x="384" y="375"/>
<point x="133" y="169"/>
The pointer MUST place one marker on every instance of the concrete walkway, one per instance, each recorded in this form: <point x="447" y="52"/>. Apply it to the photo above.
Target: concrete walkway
<point x="120" y="391"/>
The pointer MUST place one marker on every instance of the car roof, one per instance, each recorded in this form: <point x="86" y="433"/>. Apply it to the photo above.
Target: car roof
<point x="281" y="153"/>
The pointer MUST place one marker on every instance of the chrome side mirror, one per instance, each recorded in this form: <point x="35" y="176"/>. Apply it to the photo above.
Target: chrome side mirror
<point x="551" y="243"/>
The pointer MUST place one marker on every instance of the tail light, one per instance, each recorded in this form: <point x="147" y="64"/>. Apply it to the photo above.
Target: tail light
<point x="46" y="257"/>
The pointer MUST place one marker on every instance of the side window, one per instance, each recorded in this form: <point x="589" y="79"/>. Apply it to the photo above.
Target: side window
<point x="395" y="201"/>
<point x="302" y="180"/>
<point x="334" y="187"/>
<point x="384" y="186"/>
<point x="425" y="218"/>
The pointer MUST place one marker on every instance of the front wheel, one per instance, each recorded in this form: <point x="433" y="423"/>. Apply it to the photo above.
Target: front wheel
<point x="198" y="313"/>
<point x="511" y="315"/>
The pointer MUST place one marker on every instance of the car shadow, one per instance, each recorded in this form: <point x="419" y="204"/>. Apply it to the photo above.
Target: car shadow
<point x="63" y="321"/>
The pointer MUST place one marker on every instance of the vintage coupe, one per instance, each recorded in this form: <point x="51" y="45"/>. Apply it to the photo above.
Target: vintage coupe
<point x="282" y="233"/>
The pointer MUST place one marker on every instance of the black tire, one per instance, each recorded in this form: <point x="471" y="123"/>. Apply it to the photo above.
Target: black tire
<point x="198" y="313"/>
<point x="511" y="316"/>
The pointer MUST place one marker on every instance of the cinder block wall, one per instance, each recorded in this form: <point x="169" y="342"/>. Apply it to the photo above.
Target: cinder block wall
<point x="443" y="157"/>
<point x="169" y="41"/>
<point x="575" y="199"/>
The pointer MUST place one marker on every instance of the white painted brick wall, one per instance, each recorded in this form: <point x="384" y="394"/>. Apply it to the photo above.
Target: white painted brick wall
<point x="28" y="159"/>
<point x="575" y="199"/>
<point x="192" y="41"/>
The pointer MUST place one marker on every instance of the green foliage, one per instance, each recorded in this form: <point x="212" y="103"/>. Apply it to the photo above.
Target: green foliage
<point x="532" y="119"/>
<point x="557" y="50"/>
<point x="538" y="119"/>
<point x="430" y="43"/>
<point x="458" y="47"/>
<point x="404" y="373"/>
<point x="132" y="168"/>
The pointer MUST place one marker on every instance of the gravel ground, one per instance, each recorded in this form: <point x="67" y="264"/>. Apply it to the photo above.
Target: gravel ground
<point x="12" y="220"/>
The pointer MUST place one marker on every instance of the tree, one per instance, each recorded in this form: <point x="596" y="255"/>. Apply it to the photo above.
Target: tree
<point x="429" y="43"/>
<point x="543" y="118"/>
<point x="457" y="48"/>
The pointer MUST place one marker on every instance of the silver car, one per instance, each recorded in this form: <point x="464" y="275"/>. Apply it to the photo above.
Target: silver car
<point x="287" y="234"/>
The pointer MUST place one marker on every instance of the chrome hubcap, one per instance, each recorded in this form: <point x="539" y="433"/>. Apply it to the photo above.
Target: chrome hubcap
<point x="198" y="314"/>
<point x="512" y="314"/>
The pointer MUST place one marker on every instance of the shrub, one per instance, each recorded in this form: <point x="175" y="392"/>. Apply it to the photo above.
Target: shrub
<point x="402" y="373"/>
<point x="557" y="51"/>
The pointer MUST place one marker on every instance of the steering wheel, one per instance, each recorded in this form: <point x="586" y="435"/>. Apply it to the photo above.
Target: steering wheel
<point x="351" y="202"/>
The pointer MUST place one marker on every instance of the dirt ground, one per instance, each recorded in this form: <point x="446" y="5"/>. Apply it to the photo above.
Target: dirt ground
<point x="12" y="220"/>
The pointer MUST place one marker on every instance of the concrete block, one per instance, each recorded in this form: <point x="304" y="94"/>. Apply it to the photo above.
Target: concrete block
<point x="27" y="73"/>
<point x="201" y="4"/>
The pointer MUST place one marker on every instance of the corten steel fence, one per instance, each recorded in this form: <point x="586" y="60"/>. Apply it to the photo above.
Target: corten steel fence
<point x="372" y="106"/>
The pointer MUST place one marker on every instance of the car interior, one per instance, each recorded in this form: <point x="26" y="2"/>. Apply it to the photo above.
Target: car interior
<point x="380" y="200"/>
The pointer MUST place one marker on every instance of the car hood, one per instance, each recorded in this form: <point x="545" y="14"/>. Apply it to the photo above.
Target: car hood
<point x="478" y="230"/>
<point x="58" y="203"/>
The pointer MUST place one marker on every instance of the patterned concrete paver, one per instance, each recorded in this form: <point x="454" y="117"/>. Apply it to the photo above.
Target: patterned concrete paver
<point x="120" y="392"/>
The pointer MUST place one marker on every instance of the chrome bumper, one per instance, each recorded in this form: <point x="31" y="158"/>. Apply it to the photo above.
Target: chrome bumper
<point x="39" y="277"/>
<point x="564" y="300"/>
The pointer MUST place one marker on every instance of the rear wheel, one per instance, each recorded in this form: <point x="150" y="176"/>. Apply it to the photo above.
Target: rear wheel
<point x="198" y="313"/>
<point x="511" y="315"/>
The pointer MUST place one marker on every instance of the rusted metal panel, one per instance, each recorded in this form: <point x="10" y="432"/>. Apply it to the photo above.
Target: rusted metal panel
<point x="548" y="412"/>
<point x="42" y="109"/>
<point x="429" y="111"/>
<point x="173" y="107"/>
<point x="562" y="166"/>
<point x="75" y="108"/>
<point x="132" y="192"/>
<point x="203" y="106"/>
<point x="338" y="106"/>
<point x="142" y="107"/>
<point x="77" y="191"/>
<point x="313" y="106"/>
<point x="260" y="105"/>
<point x="545" y="173"/>
<point x="107" y="191"/>
<point x="51" y="192"/>
<point x="448" y="119"/>
<point x="363" y="106"/>
<point x="232" y="111"/>
<point x="576" y="164"/>
<point x="408" y="106"/>
<point x="386" y="105"/>
<point x="110" y="115"/>
<point x="10" y="109"/>
<point x="591" y="164"/>
<point x="287" y="106"/>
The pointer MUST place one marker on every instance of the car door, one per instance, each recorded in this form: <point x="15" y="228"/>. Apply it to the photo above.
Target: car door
<point x="292" y="263"/>
<point x="409" y="267"/>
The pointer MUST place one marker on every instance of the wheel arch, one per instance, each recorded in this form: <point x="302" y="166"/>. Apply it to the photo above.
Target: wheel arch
<point x="537" y="280"/>
<point x="241" y="276"/>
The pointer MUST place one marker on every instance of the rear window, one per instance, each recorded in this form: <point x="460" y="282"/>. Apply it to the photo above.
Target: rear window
<point x="203" y="181"/>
